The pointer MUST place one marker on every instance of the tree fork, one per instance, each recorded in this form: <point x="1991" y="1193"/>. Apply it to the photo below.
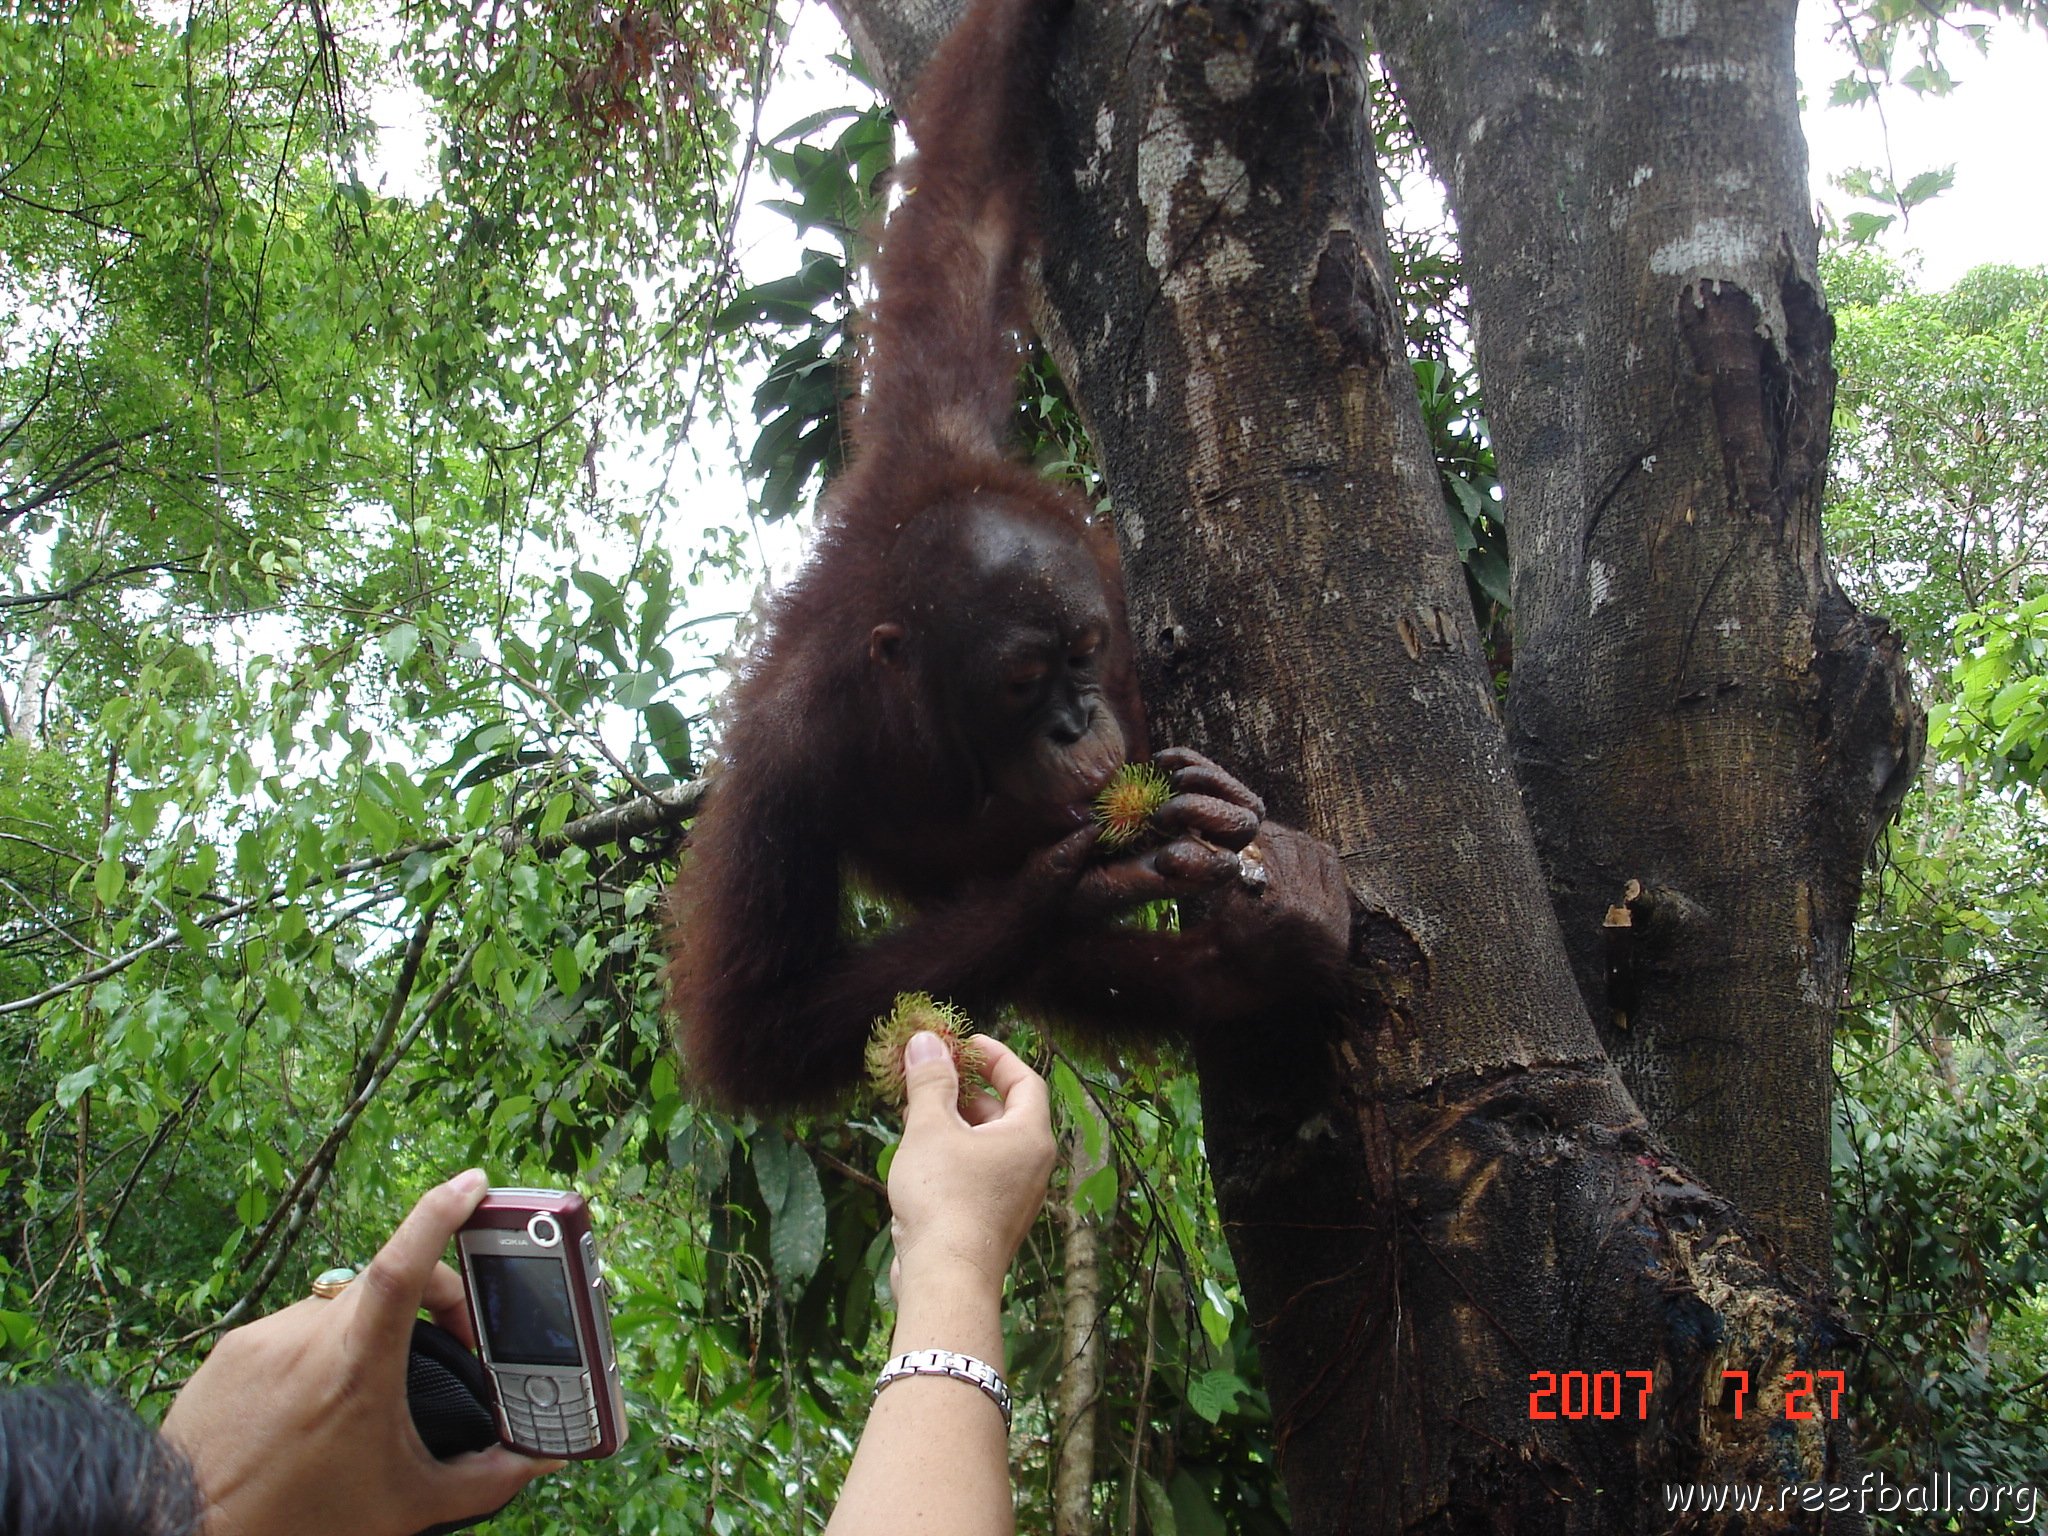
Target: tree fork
<point x="1695" y="706"/>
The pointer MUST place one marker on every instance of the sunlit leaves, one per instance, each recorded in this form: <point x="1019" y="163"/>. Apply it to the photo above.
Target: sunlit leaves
<point x="1941" y="437"/>
<point x="835" y="189"/>
<point x="1996" y="715"/>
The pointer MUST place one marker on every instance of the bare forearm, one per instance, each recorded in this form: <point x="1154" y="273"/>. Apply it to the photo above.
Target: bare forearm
<point x="934" y="1456"/>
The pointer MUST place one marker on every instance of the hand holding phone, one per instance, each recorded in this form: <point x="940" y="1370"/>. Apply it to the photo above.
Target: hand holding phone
<point x="542" y="1313"/>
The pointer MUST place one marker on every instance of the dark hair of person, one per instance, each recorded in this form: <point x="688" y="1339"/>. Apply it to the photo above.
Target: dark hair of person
<point x="77" y="1463"/>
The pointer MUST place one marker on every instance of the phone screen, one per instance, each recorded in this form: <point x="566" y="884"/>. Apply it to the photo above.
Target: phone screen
<point x="525" y="1308"/>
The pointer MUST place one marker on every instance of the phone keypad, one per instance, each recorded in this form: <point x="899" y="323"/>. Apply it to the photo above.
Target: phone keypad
<point x="535" y="1416"/>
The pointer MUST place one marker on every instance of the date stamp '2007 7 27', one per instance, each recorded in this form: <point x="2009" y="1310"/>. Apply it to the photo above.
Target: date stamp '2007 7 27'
<point x="1626" y="1394"/>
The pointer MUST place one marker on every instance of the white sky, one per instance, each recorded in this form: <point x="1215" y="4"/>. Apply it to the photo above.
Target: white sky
<point x="1993" y="128"/>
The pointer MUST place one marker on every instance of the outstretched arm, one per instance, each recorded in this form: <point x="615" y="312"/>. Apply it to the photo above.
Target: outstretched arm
<point x="777" y="1010"/>
<point x="963" y="1192"/>
<point x="777" y="1001"/>
<point x="943" y="333"/>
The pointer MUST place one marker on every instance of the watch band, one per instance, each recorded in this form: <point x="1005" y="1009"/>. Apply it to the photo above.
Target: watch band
<point x="948" y="1362"/>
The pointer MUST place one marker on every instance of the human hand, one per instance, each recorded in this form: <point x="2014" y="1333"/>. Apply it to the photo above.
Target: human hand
<point x="298" y="1422"/>
<point x="965" y="1188"/>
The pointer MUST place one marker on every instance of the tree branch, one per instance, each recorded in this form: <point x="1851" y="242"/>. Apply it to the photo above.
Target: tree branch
<point x="366" y="1069"/>
<point x="663" y="810"/>
<point x="84" y="469"/>
<point x="313" y="1178"/>
<point x="177" y="565"/>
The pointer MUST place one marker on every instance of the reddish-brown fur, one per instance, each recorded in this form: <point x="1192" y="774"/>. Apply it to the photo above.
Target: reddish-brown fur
<point x="838" y="763"/>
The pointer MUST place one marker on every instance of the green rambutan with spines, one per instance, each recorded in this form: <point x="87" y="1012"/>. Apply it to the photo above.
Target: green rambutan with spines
<point x="1125" y="807"/>
<point x="916" y="1011"/>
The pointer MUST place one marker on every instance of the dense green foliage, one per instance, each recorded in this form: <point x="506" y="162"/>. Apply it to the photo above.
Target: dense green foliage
<point x="1937" y="519"/>
<point x="353" y="647"/>
<point x="334" y="634"/>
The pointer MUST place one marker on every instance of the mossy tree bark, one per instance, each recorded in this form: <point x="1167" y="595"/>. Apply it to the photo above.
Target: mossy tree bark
<point x="1444" y="1186"/>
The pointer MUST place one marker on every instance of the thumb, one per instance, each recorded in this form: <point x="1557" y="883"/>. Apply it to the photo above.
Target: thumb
<point x="930" y="1079"/>
<point x="483" y="1482"/>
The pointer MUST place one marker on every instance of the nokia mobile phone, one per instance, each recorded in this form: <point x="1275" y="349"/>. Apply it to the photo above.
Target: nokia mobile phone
<point x="543" y="1322"/>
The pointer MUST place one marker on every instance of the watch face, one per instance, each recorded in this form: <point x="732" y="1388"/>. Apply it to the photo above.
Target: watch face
<point x="525" y="1308"/>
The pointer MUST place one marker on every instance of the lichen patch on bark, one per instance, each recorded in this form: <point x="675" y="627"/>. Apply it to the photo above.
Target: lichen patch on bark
<point x="1165" y="156"/>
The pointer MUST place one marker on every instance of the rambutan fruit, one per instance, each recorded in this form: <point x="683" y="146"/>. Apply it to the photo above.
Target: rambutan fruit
<point x="1125" y="808"/>
<point x="916" y="1011"/>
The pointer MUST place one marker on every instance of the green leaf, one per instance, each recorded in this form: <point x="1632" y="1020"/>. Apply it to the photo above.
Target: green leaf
<point x="796" y="1230"/>
<point x="1215" y="1393"/>
<point x="1193" y="1513"/>
<point x="1095" y="1196"/>
<point x="109" y="880"/>
<point x="567" y="973"/>
<point x="636" y="690"/>
<point x="668" y="732"/>
<point x="378" y="824"/>
<point x="556" y="816"/>
<point x="1926" y="185"/>
<point x="399" y="642"/>
<point x="1159" y="1517"/>
<point x="1489" y="570"/>
<point x="607" y="603"/>
<point x="1216" y="1312"/>
<point x="73" y="1086"/>
<point x="768" y="1151"/>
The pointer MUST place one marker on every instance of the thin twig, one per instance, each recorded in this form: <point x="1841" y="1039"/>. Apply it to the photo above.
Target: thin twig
<point x="314" y="1178"/>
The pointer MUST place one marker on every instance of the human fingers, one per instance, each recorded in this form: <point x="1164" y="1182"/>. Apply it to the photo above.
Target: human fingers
<point x="1217" y="820"/>
<point x="445" y="1300"/>
<point x="1203" y="777"/>
<point x="931" y="1084"/>
<point x="388" y="1293"/>
<point x="981" y="1108"/>
<point x="984" y="1104"/>
<point x="1023" y="1090"/>
<point x="482" y="1481"/>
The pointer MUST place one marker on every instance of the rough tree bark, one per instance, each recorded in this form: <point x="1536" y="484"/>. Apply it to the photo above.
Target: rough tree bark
<point x="1695" y="707"/>
<point x="1446" y="1186"/>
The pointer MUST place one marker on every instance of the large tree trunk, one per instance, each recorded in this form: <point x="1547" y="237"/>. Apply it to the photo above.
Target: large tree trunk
<point x="1700" y="719"/>
<point x="1446" y="1187"/>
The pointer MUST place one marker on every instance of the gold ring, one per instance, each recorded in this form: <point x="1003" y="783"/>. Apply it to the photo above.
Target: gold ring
<point x="330" y="1283"/>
